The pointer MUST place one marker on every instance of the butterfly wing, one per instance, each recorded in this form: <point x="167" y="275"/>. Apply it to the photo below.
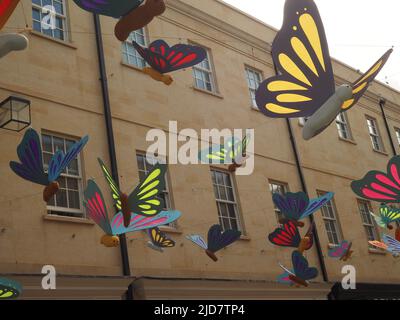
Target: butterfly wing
<point x="198" y="240"/>
<point x="109" y="8"/>
<point x="362" y="83"/>
<point x="316" y="204"/>
<point x="388" y="215"/>
<point x="215" y="154"/>
<point x="339" y="251"/>
<point x="144" y="199"/>
<point x="301" y="268"/>
<point x="301" y="55"/>
<point x="287" y="236"/>
<point x="96" y="208"/>
<point x="159" y="239"/>
<point x="284" y="277"/>
<point x="30" y="154"/>
<point x="59" y="162"/>
<point x="218" y="240"/>
<point x="9" y="289"/>
<point x="378" y="244"/>
<point x="116" y="193"/>
<point x="392" y="244"/>
<point x="379" y="186"/>
<point x="139" y="222"/>
<point x="291" y="205"/>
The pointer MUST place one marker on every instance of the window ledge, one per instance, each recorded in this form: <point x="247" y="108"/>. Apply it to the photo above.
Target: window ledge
<point x="348" y="140"/>
<point x="245" y="238"/>
<point x="131" y="66"/>
<point x="215" y="94"/>
<point x="49" y="217"/>
<point x="375" y="251"/>
<point x="43" y="36"/>
<point x="170" y="230"/>
<point x="384" y="153"/>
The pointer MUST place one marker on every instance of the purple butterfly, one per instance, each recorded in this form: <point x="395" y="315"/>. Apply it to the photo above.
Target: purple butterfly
<point x="111" y="8"/>
<point x="342" y="252"/>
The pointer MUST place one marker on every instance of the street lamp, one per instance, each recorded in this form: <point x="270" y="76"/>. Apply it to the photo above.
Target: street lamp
<point x="15" y="113"/>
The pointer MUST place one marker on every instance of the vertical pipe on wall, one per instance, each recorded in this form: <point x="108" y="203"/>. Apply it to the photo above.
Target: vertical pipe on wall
<point x="382" y="103"/>
<point x="110" y="132"/>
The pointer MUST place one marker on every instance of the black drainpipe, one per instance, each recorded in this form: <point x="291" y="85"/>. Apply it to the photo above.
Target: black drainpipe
<point x="382" y="103"/>
<point x="110" y="134"/>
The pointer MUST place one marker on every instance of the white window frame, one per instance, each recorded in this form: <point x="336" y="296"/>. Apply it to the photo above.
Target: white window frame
<point x="285" y="188"/>
<point x="343" y="127"/>
<point x="219" y="199"/>
<point x="367" y="220"/>
<point x="129" y="54"/>
<point x="66" y="211"/>
<point x="211" y="72"/>
<point x="329" y="214"/>
<point x="258" y="78"/>
<point x="374" y="133"/>
<point x="63" y="17"/>
<point x="397" y="131"/>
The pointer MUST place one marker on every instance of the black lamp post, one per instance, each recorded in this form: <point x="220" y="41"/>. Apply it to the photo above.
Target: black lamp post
<point x="15" y="113"/>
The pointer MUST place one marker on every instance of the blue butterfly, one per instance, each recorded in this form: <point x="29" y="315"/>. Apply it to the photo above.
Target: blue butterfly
<point x="297" y="206"/>
<point x="31" y="167"/>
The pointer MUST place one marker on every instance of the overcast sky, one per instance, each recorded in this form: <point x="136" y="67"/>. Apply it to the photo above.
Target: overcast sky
<point x="358" y="31"/>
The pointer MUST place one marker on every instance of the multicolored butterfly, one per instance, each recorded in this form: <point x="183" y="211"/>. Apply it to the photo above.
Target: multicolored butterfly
<point x="289" y="236"/>
<point x="143" y="200"/>
<point x="163" y="59"/>
<point x="379" y="186"/>
<point x="159" y="240"/>
<point x="217" y="240"/>
<point x="133" y="14"/>
<point x="7" y="7"/>
<point x="389" y="244"/>
<point x="305" y="86"/>
<point x="97" y="211"/>
<point x="342" y="252"/>
<point x="9" y="289"/>
<point x="233" y="152"/>
<point x="297" y="206"/>
<point x="31" y="166"/>
<point x="387" y="215"/>
<point x="301" y="272"/>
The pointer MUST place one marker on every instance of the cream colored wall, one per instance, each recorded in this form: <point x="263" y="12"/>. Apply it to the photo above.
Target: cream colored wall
<point x="63" y="84"/>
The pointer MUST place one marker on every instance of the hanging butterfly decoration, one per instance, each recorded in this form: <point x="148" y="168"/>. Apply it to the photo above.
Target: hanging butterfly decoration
<point x="297" y="206"/>
<point x="158" y="240"/>
<point x="342" y="252"/>
<point x="305" y="86"/>
<point x="233" y="152"/>
<point x="389" y="244"/>
<point x="217" y="240"/>
<point x="7" y="7"/>
<point x="289" y="236"/>
<point x="143" y="200"/>
<point x="301" y="272"/>
<point x="380" y="186"/>
<point x="164" y="59"/>
<point x="9" y="289"/>
<point x="31" y="167"/>
<point x="132" y="14"/>
<point x="387" y="215"/>
<point x="97" y="211"/>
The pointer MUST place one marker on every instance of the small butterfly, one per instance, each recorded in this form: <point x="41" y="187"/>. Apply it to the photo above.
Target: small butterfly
<point x="9" y="289"/>
<point x="387" y="215"/>
<point x="298" y="206"/>
<point x="97" y="211"/>
<point x="143" y="200"/>
<point x="389" y="244"/>
<point x="289" y="236"/>
<point x="31" y="166"/>
<point x="163" y="59"/>
<point x="159" y="240"/>
<point x="342" y="252"/>
<point x="7" y="7"/>
<point x="217" y="240"/>
<point x="233" y="152"/>
<point x="305" y="86"/>
<point x="301" y="272"/>
<point x="380" y="186"/>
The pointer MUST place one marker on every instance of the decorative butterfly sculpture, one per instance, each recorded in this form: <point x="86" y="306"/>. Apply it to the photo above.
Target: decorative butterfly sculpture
<point x="7" y="7"/>
<point x="297" y="206"/>
<point x="143" y="200"/>
<point x="31" y="166"/>
<point x="305" y="86"/>
<point x="389" y="244"/>
<point x="342" y="252"/>
<point x="289" y="236"/>
<point x="159" y="240"/>
<point x="233" y="152"/>
<point x="379" y="186"/>
<point x="387" y="215"/>
<point x="217" y="240"/>
<point x="9" y="289"/>
<point x="97" y="211"/>
<point x="132" y="14"/>
<point x="301" y="273"/>
<point x="163" y="59"/>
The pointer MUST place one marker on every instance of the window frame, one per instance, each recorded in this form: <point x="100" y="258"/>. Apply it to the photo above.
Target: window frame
<point x="344" y="122"/>
<point x="397" y="133"/>
<point x="378" y="135"/>
<point x="285" y="186"/>
<point x="335" y="220"/>
<point x="258" y="72"/>
<point x="211" y="71"/>
<point x="126" y="44"/>
<point x="370" y="224"/>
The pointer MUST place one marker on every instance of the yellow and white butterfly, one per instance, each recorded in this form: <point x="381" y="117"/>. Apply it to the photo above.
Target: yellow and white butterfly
<point x="305" y="85"/>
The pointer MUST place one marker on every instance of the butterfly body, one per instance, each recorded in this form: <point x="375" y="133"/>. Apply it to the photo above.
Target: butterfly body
<point x="110" y="241"/>
<point x="158" y="76"/>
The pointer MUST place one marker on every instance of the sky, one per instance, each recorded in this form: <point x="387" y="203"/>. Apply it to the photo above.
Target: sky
<point x="358" y="31"/>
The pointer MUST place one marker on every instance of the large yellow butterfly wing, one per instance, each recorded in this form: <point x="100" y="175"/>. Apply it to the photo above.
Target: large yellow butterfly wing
<point x="144" y="199"/>
<point x="362" y="83"/>
<point x="301" y="56"/>
<point x="115" y="192"/>
<point x="159" y="239"/>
